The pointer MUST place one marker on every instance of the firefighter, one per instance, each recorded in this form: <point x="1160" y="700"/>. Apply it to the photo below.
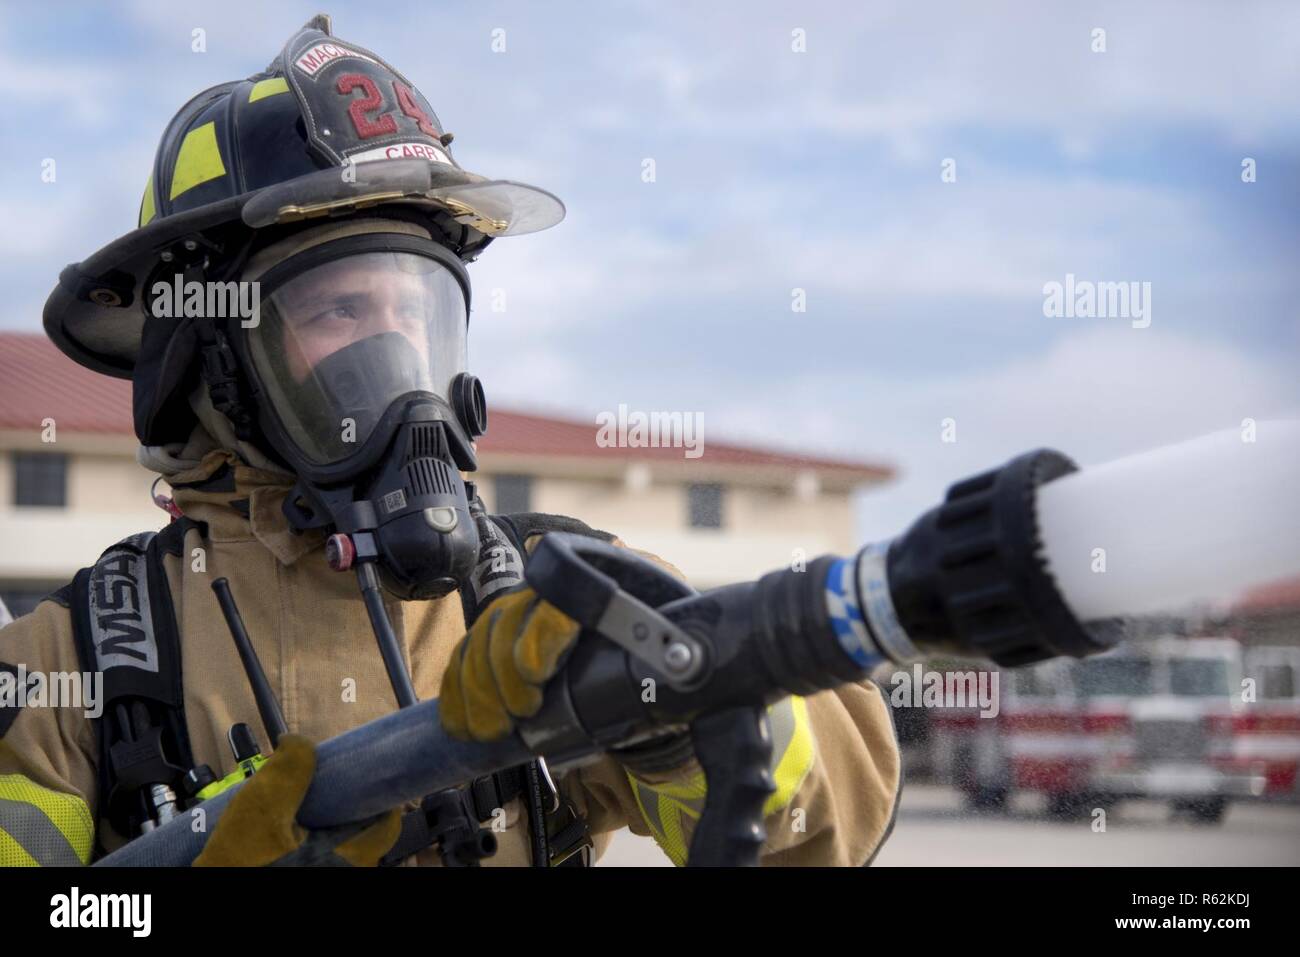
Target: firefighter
<point x="328" y="181"/>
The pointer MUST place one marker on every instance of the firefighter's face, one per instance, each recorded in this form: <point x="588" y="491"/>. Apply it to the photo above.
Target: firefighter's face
<point x="342" y="340"/>
<point x="351" y="301"/>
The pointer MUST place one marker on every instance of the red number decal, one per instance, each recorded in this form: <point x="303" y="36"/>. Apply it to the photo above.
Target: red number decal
<point x="366" y="127"/>
<point x="406" y="101"/>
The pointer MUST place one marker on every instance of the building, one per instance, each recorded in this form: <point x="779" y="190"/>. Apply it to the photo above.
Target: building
<point x="70" y="485"/>
<point x="1267" y="615"/>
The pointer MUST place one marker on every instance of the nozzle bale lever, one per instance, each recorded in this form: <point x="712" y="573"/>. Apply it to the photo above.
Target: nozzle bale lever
<point x="567" y="574"/>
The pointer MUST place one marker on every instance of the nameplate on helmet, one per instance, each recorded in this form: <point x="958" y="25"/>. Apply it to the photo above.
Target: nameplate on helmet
<point x="311" y="60"/>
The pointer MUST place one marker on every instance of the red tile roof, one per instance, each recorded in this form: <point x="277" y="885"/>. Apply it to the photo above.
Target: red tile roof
<point x="38" y="382"/>
<point x="1272" y="598"/>
<point x="520" y="434"/>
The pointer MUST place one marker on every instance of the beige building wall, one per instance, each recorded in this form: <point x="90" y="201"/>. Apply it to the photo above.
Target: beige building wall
<point x="770" y="517"/>
<point x="99" y="480"/>
<point x="763" y="527"/>
<point x="107" y="499"/>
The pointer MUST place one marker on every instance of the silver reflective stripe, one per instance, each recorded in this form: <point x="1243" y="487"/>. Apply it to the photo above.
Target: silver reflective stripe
<point x="878" y="605"/>
<point x="781" y="719"/>
<point x="650" y="808"/>
<point x="36" y="834"/>
<point x="693" y="804"/>
<point x="499" y="563"/>
<point x="121" y="621"/>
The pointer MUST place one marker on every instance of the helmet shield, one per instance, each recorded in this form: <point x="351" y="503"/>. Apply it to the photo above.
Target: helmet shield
<point x="337" y="343"/>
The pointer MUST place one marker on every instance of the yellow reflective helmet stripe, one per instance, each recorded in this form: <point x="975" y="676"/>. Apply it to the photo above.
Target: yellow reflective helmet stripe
<point x="147" y="210"/>
<point x="265" y="88"/>
<point x="42" y="827"/>
<point x="665" y="806"/>
<point x="198" y="161"/>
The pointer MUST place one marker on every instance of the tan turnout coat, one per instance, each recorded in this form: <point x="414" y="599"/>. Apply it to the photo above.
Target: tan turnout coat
<point x="310" y="630"/>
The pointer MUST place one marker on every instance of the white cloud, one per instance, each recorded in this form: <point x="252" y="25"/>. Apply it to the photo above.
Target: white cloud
<point x="905" y="71"/>
<point x="1001" y="238"/>
<point x="760" y="189"/>
<point x="1096" y="394"/>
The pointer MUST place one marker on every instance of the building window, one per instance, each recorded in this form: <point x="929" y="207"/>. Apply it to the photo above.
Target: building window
<point x="706" y="505"/>
<point x="514" y="494"/>
<point x="1276" y="682"/>
<point x="41" y="478"/>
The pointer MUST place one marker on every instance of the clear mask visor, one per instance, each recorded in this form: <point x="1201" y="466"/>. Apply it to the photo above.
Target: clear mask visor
<point x="338" y="343"/>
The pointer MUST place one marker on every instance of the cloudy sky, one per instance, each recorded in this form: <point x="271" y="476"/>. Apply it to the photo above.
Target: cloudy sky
<point x="778" y="170"/>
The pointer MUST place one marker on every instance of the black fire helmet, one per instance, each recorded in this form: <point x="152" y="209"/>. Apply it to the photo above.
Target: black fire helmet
<point x="329" y="129"/>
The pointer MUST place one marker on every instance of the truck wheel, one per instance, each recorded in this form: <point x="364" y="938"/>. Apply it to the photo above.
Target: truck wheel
<point x="1068" y="806"/>
<point x="1204" y="810"/>
<point x="987" y="799"/>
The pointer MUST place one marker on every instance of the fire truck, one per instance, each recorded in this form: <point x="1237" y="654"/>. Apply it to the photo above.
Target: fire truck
<point x="1171" y="719"/>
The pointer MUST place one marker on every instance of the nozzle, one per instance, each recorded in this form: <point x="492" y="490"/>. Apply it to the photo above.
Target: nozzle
<point x="968" y="577"/>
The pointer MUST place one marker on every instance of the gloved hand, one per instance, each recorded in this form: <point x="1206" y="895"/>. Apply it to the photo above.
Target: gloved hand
<point x="498" y="669"/>
<point x="259" y="826"/>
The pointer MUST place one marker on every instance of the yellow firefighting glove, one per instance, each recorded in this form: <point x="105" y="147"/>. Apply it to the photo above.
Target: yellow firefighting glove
<point x="259" y="826"/>
<point x="498" y="669"/>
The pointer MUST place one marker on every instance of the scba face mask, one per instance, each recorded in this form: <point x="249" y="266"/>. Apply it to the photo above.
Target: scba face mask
<point x="340" y="341"/>
<point x="357" y="363"/>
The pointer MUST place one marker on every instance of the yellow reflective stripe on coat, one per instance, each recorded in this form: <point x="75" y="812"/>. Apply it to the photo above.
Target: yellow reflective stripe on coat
<point x="662" y="806"/>
<point x="42" y="828"/>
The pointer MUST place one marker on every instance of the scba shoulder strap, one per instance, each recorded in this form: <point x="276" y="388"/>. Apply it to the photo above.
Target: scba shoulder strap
<point x="124" y="625"/>
<point x="502" y="541"/>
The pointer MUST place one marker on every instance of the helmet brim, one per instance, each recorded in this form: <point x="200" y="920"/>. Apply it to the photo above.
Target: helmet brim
<point x="95" y="313"/>
<point x="495" y="208"/>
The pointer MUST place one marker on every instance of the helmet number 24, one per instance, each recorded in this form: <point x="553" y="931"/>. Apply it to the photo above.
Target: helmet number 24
<point x="372" y="100"/>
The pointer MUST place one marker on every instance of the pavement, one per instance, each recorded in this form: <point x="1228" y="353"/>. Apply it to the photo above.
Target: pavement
<point x="933" y="828"/>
